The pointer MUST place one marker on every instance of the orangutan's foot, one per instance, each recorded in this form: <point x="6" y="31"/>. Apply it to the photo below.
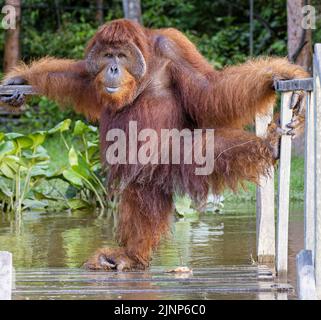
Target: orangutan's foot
<point x="298" y="104"/>
<point x="113" y="259"/>
<point x="274" y="138"/>
<point x="294" y="129"/>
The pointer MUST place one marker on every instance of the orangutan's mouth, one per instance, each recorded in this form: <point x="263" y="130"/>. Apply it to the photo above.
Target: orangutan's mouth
<point x="112" y="89"/>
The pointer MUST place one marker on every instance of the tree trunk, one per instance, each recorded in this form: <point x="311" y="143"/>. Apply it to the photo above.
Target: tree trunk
<point x="299" y="48"/>
<point x="299" y="39"/>
<point x="132" y="10"/>
<point x="100" y="11"/>
<point x="12" y="40"/>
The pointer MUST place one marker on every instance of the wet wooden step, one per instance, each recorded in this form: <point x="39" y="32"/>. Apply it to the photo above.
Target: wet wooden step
<point x="218" y="282"/>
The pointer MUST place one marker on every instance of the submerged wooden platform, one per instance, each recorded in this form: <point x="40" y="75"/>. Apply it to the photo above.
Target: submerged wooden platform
<point x="222" y="282"/>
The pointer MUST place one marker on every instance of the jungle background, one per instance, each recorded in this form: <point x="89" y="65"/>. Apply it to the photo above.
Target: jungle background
<point x="48" y="150"/>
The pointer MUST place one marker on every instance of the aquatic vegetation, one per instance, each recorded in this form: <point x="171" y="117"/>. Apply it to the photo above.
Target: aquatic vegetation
<point x="28" y="181"/>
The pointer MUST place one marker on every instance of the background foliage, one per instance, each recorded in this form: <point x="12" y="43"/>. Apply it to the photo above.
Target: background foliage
<point x="220" y="29"/>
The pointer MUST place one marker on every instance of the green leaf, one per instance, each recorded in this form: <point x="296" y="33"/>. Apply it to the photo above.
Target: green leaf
<point x="41" y="196"/>
<point x="73" y="157"/>
<point x="72" y="177"/>
<point x="61" y="127"/>
<point x="55" y="172"/>
<point x="13" y="135"/>
<point x="5" y="189"/>
<point x="13" y="162"/>
<point x="34" y="204"/>
<point x="24" y="142"/>
<point x="80" y="128"/>
<point x="7" y="171"/>
<point x="93" y="150"/>
<point x="82" y="168"/>
<point x="39" y="157"/>
<point x="76" y="204"/>
<point x="6" y="147"/>
<point x="40" y="170"/>
<point x="40" y="154"/>
<point x="21" y="140"/>
<point x="2" y="135"/>
<point x="37" y="138"/>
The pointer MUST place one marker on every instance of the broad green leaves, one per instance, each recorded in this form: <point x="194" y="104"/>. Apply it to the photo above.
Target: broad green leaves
<point x="81" y="128"/>
<point x="61" y="127"/>
<point x="25" y="177"/>
<point x="73" y="178"/>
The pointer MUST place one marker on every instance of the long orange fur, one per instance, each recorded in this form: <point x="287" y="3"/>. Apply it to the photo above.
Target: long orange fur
<point x="179" y="90"/>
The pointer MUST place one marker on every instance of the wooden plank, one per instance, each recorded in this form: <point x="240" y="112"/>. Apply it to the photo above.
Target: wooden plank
<point x="199" y="273"/>
<point x="5" y="275"/>
<point x="294" y="85"/>
<point x="265" y="220"/>
<point x="152" y="288"/>
<point x="104" y="291"/>
<point x="284" y="188"/>
<point x="305" y="276"/>
<point x="153" y="270"/>
<point x="146" y="277"/>
<point x="309" y="177"/>
<point x="207" y="275"/>
<point x="142" y="286"/>
<point x="84" y="280"/>
<point x="158" y="296"/>
<point x="9" y="90"/>
<point x="216" y="282"/>
<point x="317" y="101"/>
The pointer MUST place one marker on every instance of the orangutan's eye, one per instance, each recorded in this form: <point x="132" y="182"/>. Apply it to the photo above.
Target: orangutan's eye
<point x="121" y="55"/>
<point x="108" y="55"/>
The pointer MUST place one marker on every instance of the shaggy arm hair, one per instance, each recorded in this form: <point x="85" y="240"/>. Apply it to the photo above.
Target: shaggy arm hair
<point x="63" y="80"/>
<point x="232" y="96"/>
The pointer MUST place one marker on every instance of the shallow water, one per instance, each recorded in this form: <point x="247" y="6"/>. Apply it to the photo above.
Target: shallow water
<point x="67" y="240"/>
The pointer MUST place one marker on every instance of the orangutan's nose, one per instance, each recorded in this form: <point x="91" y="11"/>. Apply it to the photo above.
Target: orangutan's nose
<point x="113" y="70"/>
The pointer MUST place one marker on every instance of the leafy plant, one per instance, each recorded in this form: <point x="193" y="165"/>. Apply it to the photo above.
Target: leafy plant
<point x="23" y="165"/>
<point x="84" y="166"/>
<point x="25" y="173"/>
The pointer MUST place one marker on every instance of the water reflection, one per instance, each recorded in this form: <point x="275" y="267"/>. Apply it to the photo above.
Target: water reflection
<point x="67" y="240"/>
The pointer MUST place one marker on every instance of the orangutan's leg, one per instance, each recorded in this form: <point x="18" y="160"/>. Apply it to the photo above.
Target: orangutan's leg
<point x="144" y="215"/>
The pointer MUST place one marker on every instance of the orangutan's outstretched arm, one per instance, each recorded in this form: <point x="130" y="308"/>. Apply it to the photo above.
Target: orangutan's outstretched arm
<point x="63" y="80"/>
<point x="240" y="92"/>
<point x="230" y="97"/>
